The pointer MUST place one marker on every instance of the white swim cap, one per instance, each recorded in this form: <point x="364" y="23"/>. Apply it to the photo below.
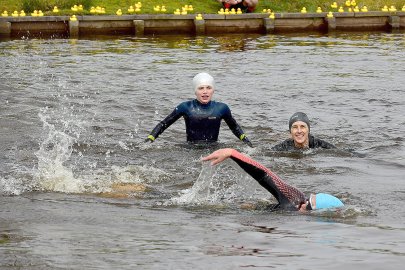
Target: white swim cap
<point x="203" y="79"/>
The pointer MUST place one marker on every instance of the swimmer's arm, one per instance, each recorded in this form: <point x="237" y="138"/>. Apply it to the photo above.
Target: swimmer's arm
<point x="260" y="173"/>
<point x="164" y="124"/>
<point x="235" y="128"/>
<point x="283" y="192"/>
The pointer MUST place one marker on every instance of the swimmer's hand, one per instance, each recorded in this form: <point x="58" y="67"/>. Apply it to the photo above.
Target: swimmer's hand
<point x="218" y="156"/>
<point x="150" y="139"/>
<point x="247" y="141"/>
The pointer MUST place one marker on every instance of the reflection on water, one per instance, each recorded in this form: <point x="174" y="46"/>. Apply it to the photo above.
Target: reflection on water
<point x="77" y="176"/>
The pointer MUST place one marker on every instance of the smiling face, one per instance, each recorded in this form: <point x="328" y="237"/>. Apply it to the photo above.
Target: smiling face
<point x="204" y="93"/>
<point x="300" y="133"/>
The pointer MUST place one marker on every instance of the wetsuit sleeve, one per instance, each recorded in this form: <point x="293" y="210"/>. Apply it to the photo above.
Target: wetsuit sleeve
<point x="326" y="145"/>
<point x="165" y="123"/>
<point x="318" y="143"/>
<point x="285" y="194"/>
<point x="232" y="124"/>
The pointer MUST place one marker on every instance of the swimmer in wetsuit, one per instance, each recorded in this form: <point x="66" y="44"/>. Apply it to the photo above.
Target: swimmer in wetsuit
<point x="301" y="138"/>
<point x="202" y="115"/>
<point x="288" y="197"/>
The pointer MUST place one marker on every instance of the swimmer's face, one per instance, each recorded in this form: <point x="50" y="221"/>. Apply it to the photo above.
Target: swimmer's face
<point x="204" y="93"/>
<point x="299" y="133"/>
<point x="307" y="206"/>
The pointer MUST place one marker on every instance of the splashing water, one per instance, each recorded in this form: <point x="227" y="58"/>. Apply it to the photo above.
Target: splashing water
<point x="218" y="184"/>
<point x="54" y="151"/>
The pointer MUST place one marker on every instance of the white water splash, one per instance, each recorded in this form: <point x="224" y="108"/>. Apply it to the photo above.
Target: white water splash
<point x="55" y="150"/>
<point x="215" y="185"/>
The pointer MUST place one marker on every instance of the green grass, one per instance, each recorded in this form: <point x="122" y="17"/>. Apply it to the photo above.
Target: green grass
<point x="200" y="6"/>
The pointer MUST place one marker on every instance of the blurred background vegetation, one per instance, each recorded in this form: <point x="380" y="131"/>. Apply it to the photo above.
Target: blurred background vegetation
<point x="199" y="6"/>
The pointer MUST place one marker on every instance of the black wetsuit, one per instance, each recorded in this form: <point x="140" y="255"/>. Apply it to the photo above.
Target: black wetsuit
<point x="287" y="196"/>
<point x="202" y="121"/>
<point x="289" y="145"/>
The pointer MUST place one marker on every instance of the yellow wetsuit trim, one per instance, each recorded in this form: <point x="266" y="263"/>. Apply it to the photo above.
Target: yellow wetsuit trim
<point x="151" y="138"/>
<point x="241" y="137"/>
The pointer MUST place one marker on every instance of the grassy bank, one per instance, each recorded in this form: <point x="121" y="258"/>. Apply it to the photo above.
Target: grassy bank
<point x="199" y="6"/>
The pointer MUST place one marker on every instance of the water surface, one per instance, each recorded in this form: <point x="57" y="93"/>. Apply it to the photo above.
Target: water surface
<point x="80" y="188"/>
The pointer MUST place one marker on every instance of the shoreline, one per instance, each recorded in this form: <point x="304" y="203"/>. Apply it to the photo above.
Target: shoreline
<point x="208" y="24"/>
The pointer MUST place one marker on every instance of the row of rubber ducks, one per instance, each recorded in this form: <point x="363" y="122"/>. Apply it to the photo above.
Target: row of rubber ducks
<point x="137" y="8"/>
<point x="352" y="7"/>
<point x="231" y="11"/>
<point x="36" y="13"/>
<point x="356" y="9"/>
<point x="184" y="10"/>
<point x="76" y="8"/>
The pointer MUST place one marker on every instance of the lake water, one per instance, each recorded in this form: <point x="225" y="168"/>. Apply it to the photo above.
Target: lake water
<point x="80" y="189"/>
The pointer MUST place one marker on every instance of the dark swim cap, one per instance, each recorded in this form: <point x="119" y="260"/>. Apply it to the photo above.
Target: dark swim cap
<point x="298" y="116"/>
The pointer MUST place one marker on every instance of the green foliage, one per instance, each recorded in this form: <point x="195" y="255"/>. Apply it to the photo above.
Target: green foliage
<point x="200" y="6"/>
<point x="31" y="5"/>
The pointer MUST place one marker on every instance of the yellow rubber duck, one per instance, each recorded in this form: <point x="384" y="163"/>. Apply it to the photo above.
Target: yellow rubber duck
<point x="238" y="11"/>
<point x="34" y="13"/>
<point x="163" y="9"/>
<point x="304" y="10"/>
<point x="334" y="5"/>
<point x="138" y="9"/>
<point x="392" y="9"/>
<point x="226" y="12"/>
<point x="319" y="10"/>
<point x="139" y="4"/>
<point x="131" y="9"/>
<point x="353" y="3"/>
<point x="356" y="9"/>
<point x="348" y="3"/>
<point x="190" y="8"/>
<point x="199" y="17"/>
<point x="272" y="16"/>
<point x="184" y="11"/>
<point x="403" y="8"/>
<point x="233" y="11"/>
<point x="93" y="10"/>
<point x="22" y="13"/>
<point x="177" y="12"/>
<point x="102" y="10"/>
<point x="221" y="11"/>
<point x="349" y="9"/>
<point x="330" y="14"/>
<point x="15" y="13"/>
<point x="364" y="9"/>
<point x="341" y="9"/>
<point x="80" y="7"/>
<point x="119" y="12"/>
<point x="264" y="10"/>
<point x="385" y="8"/>
<point x="40" y="14"/>
<point x="156" y="8"/>
<point x="73" y="18"/>
<point x="74" y="8"/>
<point x="4" y="14"/>
<point x="55" y="9"/>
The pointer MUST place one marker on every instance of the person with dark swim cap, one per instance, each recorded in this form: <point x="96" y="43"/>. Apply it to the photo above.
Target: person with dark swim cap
<point x="247" y="6"/>
<point x="299" y="127"/>
<point x="287" y="196"/>
<point x="202" y="115"/>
